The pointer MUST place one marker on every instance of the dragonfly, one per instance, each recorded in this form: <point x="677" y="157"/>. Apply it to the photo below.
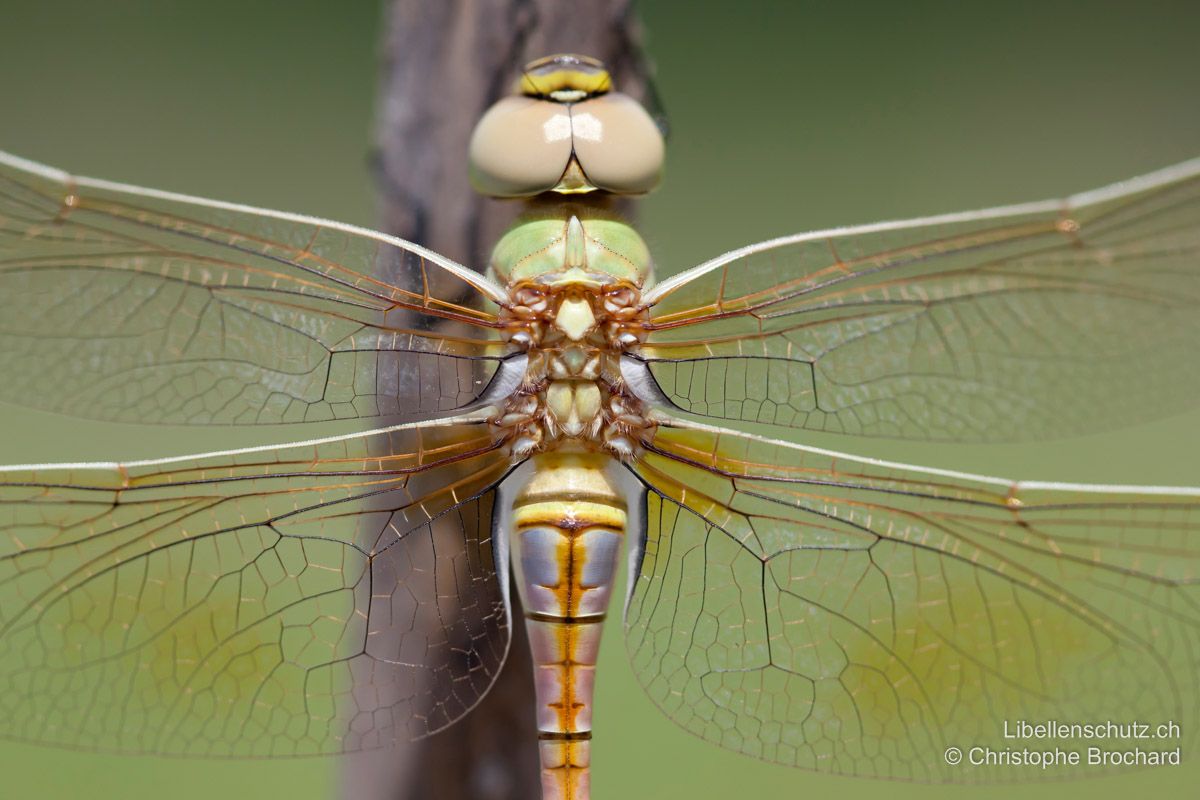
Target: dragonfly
<point x="531" y="425"/>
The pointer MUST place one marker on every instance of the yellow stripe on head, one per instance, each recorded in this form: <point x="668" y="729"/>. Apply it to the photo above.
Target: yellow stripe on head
<point x="565" y="77"/>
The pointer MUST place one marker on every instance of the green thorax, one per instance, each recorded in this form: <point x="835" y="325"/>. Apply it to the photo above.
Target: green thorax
<point x="571" y="244"/>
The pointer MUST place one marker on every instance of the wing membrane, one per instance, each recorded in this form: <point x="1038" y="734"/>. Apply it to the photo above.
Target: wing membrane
<point x="321" y="597"/>
<point x="1044" y="319"/>
<point x="119" y="303"/>
<point x="859" y="617"/>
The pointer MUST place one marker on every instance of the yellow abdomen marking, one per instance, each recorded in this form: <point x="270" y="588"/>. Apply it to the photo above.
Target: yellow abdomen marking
<point x="568" y="523"/>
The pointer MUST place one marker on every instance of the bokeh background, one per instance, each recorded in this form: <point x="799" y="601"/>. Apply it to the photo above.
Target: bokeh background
<point x="785" y="116"/>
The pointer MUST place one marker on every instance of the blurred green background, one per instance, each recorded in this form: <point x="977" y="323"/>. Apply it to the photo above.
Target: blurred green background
<point x="785" y="116"/>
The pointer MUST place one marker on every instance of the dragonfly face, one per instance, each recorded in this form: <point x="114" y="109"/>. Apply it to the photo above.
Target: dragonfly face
<point x="814" y="608"/>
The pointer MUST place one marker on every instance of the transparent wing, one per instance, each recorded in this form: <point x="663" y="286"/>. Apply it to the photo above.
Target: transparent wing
<point x="309" y="599"/>
<point x="1044" y="319"/>
<point x="859" y="617"/>
<point x="119" y="303"/>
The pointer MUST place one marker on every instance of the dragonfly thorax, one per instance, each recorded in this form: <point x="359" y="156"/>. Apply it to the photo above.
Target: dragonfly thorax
<point x="574" y="273"/>
<point x="555" y="245"/>
<point x="573" y="393"/>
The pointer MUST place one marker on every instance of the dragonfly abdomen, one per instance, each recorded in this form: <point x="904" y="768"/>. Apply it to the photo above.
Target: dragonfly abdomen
<point x="567" y="524"/>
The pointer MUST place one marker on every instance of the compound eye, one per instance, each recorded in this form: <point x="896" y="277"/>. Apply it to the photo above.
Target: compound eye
<point x="617" y="144"/>
<point x="521" y="146"/>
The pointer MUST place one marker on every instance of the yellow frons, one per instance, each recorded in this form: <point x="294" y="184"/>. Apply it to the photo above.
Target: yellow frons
<point x="564" y="73"/>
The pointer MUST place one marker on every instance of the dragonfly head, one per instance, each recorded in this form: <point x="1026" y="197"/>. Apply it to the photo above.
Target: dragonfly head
<point x="566" y="131"/>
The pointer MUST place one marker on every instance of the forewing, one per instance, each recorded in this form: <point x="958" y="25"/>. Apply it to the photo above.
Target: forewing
<point x="860" y="618"/>
<point x="119" y="303"/>
<point x="1015" y="323"/>
<point x="311" y="599"/>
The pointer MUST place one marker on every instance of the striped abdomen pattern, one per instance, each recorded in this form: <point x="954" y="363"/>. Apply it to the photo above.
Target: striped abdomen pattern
<point x="567" y="524"/>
